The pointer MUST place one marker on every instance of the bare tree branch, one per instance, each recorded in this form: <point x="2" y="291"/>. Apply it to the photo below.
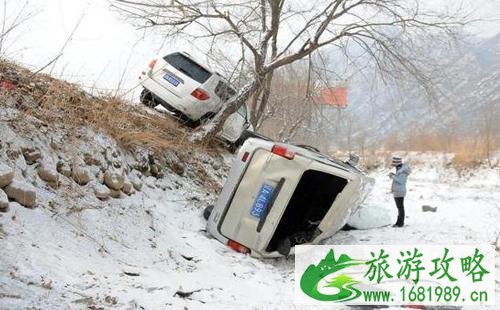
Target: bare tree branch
<point x="278" y="33"/>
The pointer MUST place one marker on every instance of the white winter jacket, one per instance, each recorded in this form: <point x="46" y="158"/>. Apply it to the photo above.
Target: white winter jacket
<point x="399" y="179"/>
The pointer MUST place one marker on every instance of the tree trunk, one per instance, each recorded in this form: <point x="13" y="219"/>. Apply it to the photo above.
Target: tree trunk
<point x="266" y="92"/>
<point x="209" y="130"/>
<point x="254" y="106"/>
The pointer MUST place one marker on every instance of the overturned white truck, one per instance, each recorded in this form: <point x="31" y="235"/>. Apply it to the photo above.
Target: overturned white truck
<point x="280" y="195"/>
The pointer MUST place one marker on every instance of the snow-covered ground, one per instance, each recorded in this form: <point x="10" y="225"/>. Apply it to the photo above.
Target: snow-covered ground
<point x="138" y="252"/>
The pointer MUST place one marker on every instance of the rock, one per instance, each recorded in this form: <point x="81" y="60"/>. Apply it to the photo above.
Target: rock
<point x="81" y="175"/>
<point x="100" y="177"/>
<point x="63" y="168"/>
<point x="216" y="165"/>
<point x="129" y="192"/>
<point x="110" y="300"/>
<point x="115" y="193"/>
<point x="48" y="172"/>
<point x="114" y="179"/>
<point x="101" y="191"/>
<point x="21" y="166"/>
<point x="427" y="208"/>
<point x="6" y="175"/>
<point x="112" y="158"/>
<point x="22" y="192"/>
<point x="54" y="145"/>
<point x="177" y="168"/>
<point x="31" y="155"/>
<point x="4" y="201"/>
<point x="136" y="182"/>
<point x="160" y="183"/>
<point x="175" y="163"/>
<point x="91" y="160"/>
<point x="128" y="188"/>
<point x="142" y="161"/>
<point x="156" y="171"/>
<point x="150" y="182"/>
<point x="13" y="153"/>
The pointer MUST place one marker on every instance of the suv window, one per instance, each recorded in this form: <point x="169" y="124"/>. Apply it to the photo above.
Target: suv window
<point x="188" y="67"/>
<point x="224" y="91"/>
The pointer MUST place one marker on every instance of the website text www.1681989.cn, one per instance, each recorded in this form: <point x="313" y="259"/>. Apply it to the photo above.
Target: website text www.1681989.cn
<point x="427" y="294"/>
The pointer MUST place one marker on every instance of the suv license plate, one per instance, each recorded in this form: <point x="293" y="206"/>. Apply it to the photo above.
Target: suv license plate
<point x="171" y="79"/>
<point x="262" y="200"/>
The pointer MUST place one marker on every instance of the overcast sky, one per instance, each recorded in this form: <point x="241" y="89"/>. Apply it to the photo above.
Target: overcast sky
<point x="105" y="48"/>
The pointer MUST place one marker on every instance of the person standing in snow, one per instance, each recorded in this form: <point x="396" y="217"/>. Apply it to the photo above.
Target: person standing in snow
<point x="398" y="187"/>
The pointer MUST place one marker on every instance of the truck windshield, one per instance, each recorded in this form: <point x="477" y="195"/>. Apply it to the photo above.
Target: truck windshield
<point x="188" y="67"/>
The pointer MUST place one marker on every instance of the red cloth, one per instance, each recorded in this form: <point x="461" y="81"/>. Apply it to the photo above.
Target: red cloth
<point x="8" y="85"/>
<point x="335" y="96"/>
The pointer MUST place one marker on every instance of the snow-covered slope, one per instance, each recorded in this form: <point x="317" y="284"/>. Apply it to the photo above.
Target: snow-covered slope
<point x="131" y="253"/>
<point x="144" y="250"/>
<point x="141" y="250"/>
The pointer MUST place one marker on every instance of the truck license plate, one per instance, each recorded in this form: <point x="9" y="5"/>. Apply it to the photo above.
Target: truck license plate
<point x="262" y="200"/>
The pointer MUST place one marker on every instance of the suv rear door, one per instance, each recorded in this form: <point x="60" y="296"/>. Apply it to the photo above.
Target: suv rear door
<point x="180" y="74"/>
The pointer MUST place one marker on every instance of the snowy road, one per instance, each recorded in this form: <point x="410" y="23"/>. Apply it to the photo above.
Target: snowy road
<point x="138" y="252"/>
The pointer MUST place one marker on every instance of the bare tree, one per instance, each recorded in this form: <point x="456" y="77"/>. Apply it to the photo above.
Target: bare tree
<point x="12" y="18"/>
<point x="276" y="33"/>
<point x="489" y="118"/>
<point x="293" y="111"/>
<point x="289" y="108"/>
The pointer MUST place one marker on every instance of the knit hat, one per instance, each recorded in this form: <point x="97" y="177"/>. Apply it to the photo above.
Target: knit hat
<point x="396" y="161"/>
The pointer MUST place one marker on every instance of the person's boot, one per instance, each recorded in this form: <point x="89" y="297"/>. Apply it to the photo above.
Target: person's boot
<point x="401" y="218"/>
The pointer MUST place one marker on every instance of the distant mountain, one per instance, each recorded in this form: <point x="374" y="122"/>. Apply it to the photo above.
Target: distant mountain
<point x="465" y="88"/>
<point x="488" y="52"/>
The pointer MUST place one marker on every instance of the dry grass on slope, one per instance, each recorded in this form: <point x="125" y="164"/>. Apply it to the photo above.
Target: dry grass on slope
<point x="58" y="102"/>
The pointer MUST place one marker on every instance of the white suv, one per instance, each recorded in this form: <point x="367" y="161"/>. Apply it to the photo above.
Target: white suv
<point x="191" y="91"/>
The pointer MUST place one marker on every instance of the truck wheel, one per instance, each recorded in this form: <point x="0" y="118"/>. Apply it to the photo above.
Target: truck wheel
<point x="147" y="98"/>
<point x="208" y="210"/>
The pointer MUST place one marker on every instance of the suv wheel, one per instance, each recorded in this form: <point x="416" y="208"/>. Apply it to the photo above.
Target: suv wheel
<point x="147" y="98"/>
